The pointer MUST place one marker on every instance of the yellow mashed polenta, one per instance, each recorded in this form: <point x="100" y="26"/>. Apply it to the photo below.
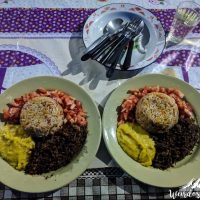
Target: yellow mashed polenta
<point x="135" y="141"/>
<point x="15" y="146"/>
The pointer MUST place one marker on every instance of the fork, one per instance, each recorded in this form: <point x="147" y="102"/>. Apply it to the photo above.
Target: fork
<point x="113" y="57"/>
<point x="126" y="32"/>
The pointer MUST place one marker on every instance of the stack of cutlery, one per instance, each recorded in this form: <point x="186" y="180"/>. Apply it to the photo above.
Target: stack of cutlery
<point x="110" y="48"/>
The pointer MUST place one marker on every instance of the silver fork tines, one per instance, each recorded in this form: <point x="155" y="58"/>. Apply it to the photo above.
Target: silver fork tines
<point x="132" y="27"/>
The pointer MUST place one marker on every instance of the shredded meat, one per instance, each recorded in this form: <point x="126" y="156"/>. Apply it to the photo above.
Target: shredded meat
<point x="55" y="151"/>
<point x="176" y="143"/>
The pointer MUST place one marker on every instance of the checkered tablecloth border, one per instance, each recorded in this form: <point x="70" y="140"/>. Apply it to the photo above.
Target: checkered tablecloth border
<point x="103" y="183"/>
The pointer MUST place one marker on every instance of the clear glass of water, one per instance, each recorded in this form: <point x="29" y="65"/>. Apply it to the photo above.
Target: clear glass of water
<point x="186" y="18"/>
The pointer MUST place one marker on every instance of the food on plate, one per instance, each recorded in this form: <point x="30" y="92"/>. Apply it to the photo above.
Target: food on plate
<point x="15" y="146"/>
<point x="57" y="150"/>
<point x="168" y="118"/>
<point x="41" y="115"/>
<point x="127" y="108"/>
<point x="72" y="108"/>
<point x="156" y="112"/>
<point x="176" y="143"/>
<point x="55" y="126"/>
<point x="135" y="141"/>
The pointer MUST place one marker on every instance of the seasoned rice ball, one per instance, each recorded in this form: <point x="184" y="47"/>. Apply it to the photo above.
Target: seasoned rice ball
<point x="42" y="116"/>
<point x="157" y="112"/>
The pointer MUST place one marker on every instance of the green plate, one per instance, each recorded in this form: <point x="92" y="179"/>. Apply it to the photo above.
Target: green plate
<point x="184" y="170"/>
<point x="27" y="183"/>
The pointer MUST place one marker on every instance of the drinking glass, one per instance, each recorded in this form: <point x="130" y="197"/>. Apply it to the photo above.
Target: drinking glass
<point x="186" y="18"/>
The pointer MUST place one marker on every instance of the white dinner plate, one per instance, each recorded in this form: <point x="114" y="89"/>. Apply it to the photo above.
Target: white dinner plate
<point x="175" y="176"/>
<point x="153" y="33"/>
<point x="39" y="183"/>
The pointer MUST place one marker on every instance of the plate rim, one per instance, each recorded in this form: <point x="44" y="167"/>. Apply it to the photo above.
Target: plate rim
<point x="153" y="60"/>
<point x="90" y="157"/>
<point x="106" y="139"/>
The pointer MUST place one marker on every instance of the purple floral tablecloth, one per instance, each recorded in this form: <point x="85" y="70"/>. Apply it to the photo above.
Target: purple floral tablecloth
<point x="45" y="38"/>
